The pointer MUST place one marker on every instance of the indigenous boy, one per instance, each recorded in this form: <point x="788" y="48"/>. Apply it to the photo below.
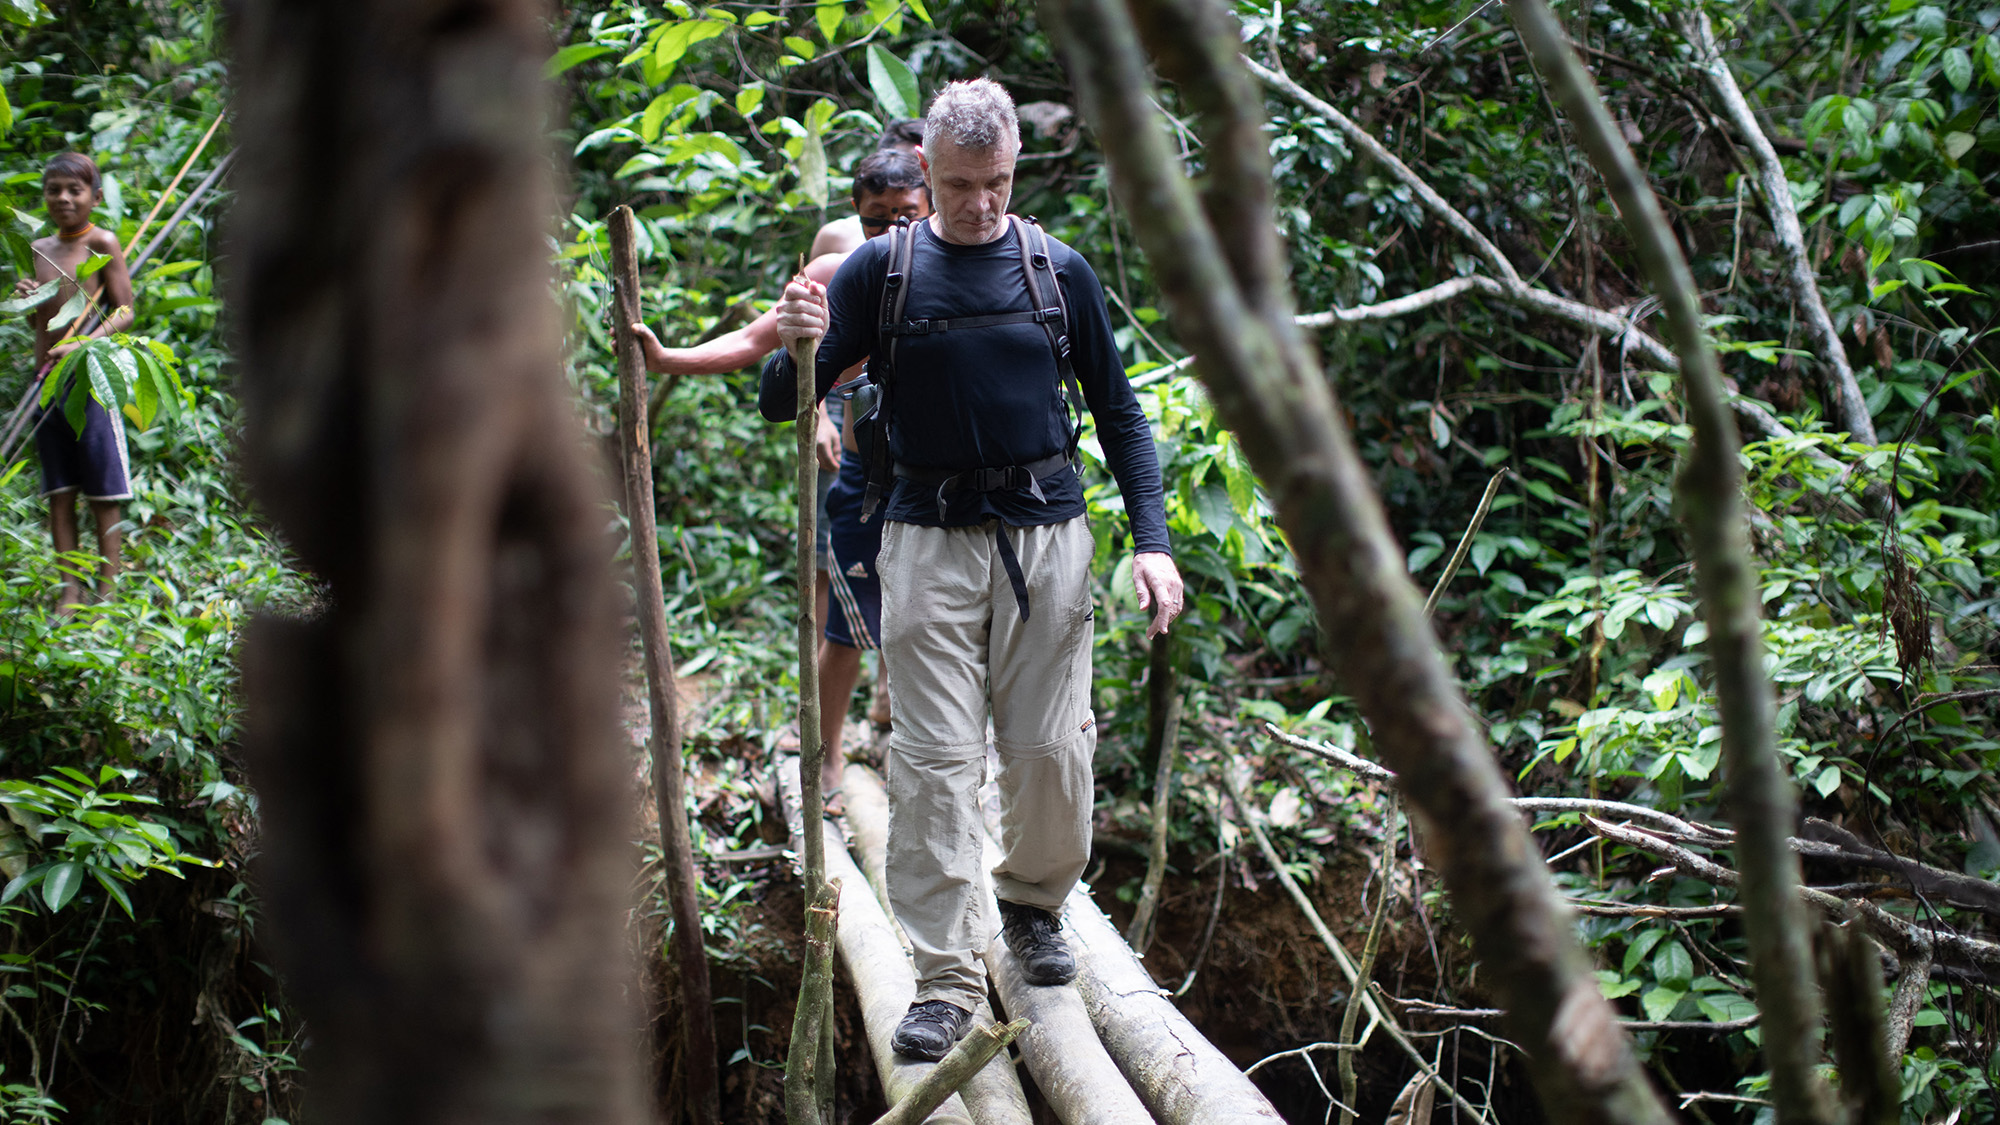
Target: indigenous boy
<point x="888" y="185"/>
<point x="92" y="462"/>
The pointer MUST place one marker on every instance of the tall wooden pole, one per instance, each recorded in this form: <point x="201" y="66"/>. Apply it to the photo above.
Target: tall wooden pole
<point x="809" y="1070"/>
<point x="704" y="1106"/>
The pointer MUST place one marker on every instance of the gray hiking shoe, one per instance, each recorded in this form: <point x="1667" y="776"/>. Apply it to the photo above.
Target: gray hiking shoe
<point x="929" y="1029"/>
<point x="1034" y="936"/>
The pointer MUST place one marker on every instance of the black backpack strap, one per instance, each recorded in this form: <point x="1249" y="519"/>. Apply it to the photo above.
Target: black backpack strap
<point x="895" y="296"/>
<point x="1045" y="292"/>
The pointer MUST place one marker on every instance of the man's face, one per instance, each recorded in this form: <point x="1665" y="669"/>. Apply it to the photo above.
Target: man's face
<point x="880" y="210"/>
<point x="69" y="201"/>
<point x="971" y="187"/>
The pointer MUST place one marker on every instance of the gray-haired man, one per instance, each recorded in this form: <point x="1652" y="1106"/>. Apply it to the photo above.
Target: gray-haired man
<point x="985" y="560"/>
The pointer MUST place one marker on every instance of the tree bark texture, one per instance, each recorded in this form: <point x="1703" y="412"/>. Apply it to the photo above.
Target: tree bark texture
<point x="447" y="809"/>
<point x="1776" y="188"/>
<point x="809" y="1066"/>
<point x="1759" y="796"/>
<point x="1071" y="1068"/>
<point x="1222" y="274"/>
<point x="704" y="1105"/>
<point x="1181" y="1076"/>
<point x="1163" y="732"/>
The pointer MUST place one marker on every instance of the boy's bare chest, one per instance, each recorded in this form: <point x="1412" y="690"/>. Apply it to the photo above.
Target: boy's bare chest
<point x="59" y="260"/>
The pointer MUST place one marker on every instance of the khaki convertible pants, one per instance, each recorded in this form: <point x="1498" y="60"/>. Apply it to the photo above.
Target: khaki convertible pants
<point x="954" y="639"/>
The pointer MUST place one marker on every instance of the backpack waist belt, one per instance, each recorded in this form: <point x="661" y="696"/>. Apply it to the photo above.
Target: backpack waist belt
<point x="1007" y="478"/>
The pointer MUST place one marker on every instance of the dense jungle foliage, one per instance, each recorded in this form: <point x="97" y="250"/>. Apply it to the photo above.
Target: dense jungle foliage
<point x="132" y="986"/>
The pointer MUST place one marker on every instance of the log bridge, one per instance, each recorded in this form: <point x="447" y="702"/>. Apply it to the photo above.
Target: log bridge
<point x="1111" y="1049"/>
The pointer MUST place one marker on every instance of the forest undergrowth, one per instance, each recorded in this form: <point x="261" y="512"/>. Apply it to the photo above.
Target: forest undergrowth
<point x="131" y="986"/>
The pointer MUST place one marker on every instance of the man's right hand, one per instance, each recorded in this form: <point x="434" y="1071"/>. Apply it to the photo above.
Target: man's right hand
<point x="802" y="313"/>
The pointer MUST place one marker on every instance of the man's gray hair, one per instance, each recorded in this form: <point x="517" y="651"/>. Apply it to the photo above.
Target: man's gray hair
<point x="977" y="114"/>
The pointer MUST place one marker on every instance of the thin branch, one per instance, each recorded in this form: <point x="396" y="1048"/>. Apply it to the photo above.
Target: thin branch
<point x="1464" y="543"/>
<point x="1252" y="821"/>
<point x="967" y="1058"/>
<point x="1903" y="937"/>
<point x="1366" y="142"/>
<point x="1775" y="186"/>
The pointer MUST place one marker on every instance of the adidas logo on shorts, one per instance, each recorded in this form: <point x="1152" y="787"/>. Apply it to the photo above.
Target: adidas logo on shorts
<point x="858" y="570"/>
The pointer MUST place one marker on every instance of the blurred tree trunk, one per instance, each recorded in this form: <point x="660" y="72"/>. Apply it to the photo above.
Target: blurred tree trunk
<point x="447" y="811"/>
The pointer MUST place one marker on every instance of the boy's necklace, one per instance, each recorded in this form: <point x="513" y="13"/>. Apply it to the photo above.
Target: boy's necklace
<point x="66" y="236"/>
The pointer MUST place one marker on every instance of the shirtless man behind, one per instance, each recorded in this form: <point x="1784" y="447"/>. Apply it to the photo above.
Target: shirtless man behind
<point x="92" y="462"/>
<point x="888" y="185"/>
<point x="845" y="236"/>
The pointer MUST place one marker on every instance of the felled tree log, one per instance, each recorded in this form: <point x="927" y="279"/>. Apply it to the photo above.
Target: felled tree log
<point x="1070" y="1064"/>
<point x="880" y="968"/>
<point x="1180" y="1075"/>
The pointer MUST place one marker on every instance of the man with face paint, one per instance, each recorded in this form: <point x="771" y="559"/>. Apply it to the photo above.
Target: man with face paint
<point x="985" y="561"/>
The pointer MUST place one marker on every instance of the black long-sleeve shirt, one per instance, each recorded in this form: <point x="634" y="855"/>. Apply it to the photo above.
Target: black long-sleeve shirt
<point x="985" y="397"/>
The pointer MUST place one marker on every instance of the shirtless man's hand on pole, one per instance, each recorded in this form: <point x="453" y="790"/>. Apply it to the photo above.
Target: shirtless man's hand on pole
<point x="1158" y="583"/>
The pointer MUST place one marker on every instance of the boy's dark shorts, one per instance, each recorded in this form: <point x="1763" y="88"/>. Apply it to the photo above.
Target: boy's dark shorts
<point x="854" y="609"/>
<point x="93" y="462"/>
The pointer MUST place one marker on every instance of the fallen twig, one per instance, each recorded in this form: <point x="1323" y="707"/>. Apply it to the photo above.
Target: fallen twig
<point x="964" y="1060"/>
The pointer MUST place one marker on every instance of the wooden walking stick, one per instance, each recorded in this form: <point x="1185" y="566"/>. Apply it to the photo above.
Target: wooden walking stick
<point x="669" y="786"/>
<point x="809" y="1069"/>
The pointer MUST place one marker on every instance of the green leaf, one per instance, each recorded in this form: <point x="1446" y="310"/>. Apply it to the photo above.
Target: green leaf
<point x="23" y="13"/>
<point x="111" y="887"/>
<point x="1640" y="947"/>
<point x="71" y="309"/>
<point x="103" y="388"/>
<point x="143" y="395"/>
<point x="675" y="43"/>
<point x="1957" y="67"/>
<point x="55" y="377"/>
<point x="656" y="116"/>
<point x="923" y="13"/>
<point x="760" y="19"/>
<point x="22" y="304"/>
<point x="750" y="99"/>
<point x="800" y="46"/>
<point x="1211" y="504"/>
<point x="6" y="111"/>
<point x="91" y="265"/>
<point x="1673" y="966"/>
<point x="1827" y="781"/>
<point x="894" y="83"/>
<point x="1661" y="1002"/>
<point x="61" y="884"/>
<point x="1725" y="1007"/>
<point x="812" y="163"/>
<point x="572" y="55"/>
<point x="828" y="14"/>
<point x="1956" y="145"/>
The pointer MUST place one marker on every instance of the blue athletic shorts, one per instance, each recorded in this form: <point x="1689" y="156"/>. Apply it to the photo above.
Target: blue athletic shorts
<point x="93" y="462"/>
<point x="854" y="611"/>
